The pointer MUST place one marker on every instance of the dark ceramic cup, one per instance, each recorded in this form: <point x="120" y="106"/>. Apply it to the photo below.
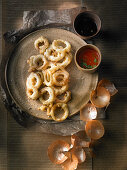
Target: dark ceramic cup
<point x="86" y="24"/>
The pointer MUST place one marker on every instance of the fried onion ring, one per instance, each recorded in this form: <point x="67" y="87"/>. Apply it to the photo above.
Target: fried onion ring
<point x="51" y="98"/>
<point x="53" y="55"/>
<point x="46" y="109"/>
<point x="66" y="98"/>
<point x="33" y="80"/>
<point x="37" y="62"/>
<point x="62" y="106"/>
<point x="60" y="89"/>
<point x="40" y="74"/>
<point x="60" y="78"/>
<point x="51" y="67"/>
<point x="41" y="44"/>
<point x="43" y="108"/>
<point x="57" y="45"/>
<point x="66" y="60"/>
<point x="32" y="93"/>
<point x="48" y="79"/>
<point x="49" y="109"/>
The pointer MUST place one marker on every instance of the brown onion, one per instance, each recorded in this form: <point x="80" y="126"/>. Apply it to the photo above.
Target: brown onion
<point x="88" y="112"/>
<point x="109" y="86"/>
<point x="94" y="129"/>
<point x="70" y="163"/>
<point x="79" y="153"/>
<point x="76" y="141"/>
<point x="56" y="151"/>
<point x="100" y="97"/>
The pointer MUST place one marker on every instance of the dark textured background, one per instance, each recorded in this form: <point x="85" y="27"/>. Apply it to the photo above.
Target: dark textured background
<point x="23" y="149"/>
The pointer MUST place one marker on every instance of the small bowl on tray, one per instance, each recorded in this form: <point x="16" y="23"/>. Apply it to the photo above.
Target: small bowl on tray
<point x="88" y="58"/>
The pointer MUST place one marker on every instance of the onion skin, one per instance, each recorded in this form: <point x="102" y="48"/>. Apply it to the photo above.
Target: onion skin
<point x="88" y="112"/>
<point x="108" y="85"/>
<point x="94" y="129"/>
<point x="70" y="163"/>
<point x="56" y="151"/>
<point x="100" y="97"/>
<point x="76" y="141"/>
<point x="79" y="153"/>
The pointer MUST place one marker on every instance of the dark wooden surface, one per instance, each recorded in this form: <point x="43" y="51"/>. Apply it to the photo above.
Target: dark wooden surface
<point x="26" y="149"/>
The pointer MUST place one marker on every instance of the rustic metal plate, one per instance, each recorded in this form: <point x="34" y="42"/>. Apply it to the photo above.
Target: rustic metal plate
<point x="80" y="83"/>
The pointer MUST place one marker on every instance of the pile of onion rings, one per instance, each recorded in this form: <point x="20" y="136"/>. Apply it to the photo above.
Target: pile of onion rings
<point x="48" y="79"/>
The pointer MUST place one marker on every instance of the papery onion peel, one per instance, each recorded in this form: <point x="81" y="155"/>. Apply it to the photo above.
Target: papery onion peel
<point x="100" y="97"/>
<point x="94" y="129"/>
<point x="56" y="151"/>
<point x="88" y="112"/>
<point x="108" y="85"/>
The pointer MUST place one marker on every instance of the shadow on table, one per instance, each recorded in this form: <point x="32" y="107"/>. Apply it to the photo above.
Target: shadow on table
<point x="114" y="140"/>
<point x="110" y="35"/>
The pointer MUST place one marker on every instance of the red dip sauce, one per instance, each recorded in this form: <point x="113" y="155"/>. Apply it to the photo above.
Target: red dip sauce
<point x="88" y="59"/>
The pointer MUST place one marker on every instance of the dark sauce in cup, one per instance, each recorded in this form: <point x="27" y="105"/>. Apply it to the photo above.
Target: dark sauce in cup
<point x="85" y="25"/>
